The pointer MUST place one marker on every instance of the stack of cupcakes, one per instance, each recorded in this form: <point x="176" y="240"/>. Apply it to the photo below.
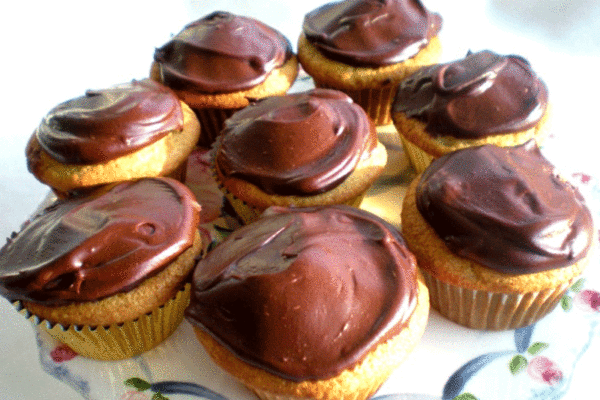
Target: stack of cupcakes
<point x="313" y="298"/>
<point x="105" y="267"/>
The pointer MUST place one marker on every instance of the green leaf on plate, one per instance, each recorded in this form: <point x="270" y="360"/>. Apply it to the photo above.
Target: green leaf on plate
<point x="159" y="396"/>
<point x="138" y="383"/>
<point x="517" y="364"/>
<point x="577" y="286"/>
<point x="566" y="302"/>
<point x="537" y="347"/>
<point x="465" y="396"/>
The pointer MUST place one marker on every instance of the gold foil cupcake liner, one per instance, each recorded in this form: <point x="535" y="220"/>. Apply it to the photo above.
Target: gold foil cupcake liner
<point x="266" y="395"/>
<point x="418" y="158"/>
<point x="249" y="214"/>
<point x="118" y="341"/>
<point x="377" y="102"/>
<point x="180" y="173"/>
<point x="212" y="121"/>
<point x="485" y="310"/>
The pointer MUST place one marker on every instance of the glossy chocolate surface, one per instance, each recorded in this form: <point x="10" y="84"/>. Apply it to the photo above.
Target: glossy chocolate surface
<point x="222" y="53"/>
<point x="506" y="209"/>
<point x="298" y="144"/>
<point x="371" y="32"/>
<point x="306" y="293"/>
<point x="90" y="248"/>
<point x="106" y="124"/>
<point x="481" y="95"/>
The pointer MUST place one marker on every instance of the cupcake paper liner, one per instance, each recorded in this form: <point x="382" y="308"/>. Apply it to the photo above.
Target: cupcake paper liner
<point x="376" y="102"/>
<point x="118" y="341"/>
<point x="266" y="395"/>
<point x="488" y="310"/>
<point x="418" y="158"/>
<point x="249" y="214"/>
<point x="179" y="173"/>
<point x="212" y="121"/>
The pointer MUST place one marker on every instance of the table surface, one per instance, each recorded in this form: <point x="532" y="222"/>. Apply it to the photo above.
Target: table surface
<point x="54" y="51"/>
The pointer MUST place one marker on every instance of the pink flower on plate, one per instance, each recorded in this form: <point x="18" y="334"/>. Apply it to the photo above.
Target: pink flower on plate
<point x="199" y="168"/>
<point x="134" y="395"/>
<point x="62" y="353"/>
<point x="582" y="177"/>
<point x="588" y="300"/>
<point x="544" y="370"/>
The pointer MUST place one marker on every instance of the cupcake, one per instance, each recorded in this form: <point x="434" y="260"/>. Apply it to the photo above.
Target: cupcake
<point x="222" y="62"/>
<point x="106" y="274"/>
<point x="365" y="48"/>
<point x="498" y="235"/>
<point x="320" y="303"/>
<point x="303" y="149"/>
<point x="484" y="98"/>
<point x="130" y="131"/>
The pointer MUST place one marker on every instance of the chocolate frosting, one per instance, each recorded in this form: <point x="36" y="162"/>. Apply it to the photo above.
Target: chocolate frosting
<point x="106" y="124"/>
<point x="222" y="53"/>
<point x="371" y="32"/>
<point x="505" y="208"/>
<point x="297" y="144"/>
<point x="306" y="293"/>
<point x="481" y="95"/>
<point x="86" y="249"/>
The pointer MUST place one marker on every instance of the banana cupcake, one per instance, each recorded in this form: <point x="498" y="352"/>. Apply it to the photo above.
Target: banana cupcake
<point x="222" y="62"/>
<point x="303" y="149"/>
<point x="130" y="131"/>
<point x="321" y="303"/>
<point x="365" y="48"/>
<point x="107" y="274"/>
<point x="498" y="235"/>
<point x="484" y="98"/>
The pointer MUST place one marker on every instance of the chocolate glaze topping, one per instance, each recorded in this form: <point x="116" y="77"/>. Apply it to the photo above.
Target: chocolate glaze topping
<point x="106" y="124"/>
<point x="306" y="293"/>
<point x="222" y="53"/>
<point x="87" y="249"/>
<point x="481" y="95"/>
<point x="505" y="208"/>
<point x="372" y="32"/>
<point x="297" y="144"/>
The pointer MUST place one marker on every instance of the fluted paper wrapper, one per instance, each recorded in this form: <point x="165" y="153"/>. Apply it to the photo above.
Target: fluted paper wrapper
<point x="179" y="173"/>
<point x="377" y="102"/>
<point x="212" y="121"/>
<point x="418" y="158"/>
<point x="358" y="395"/>
<point x="118" y="341"/>
<point x="250" y="214"/>
<point x="491" y="311"/>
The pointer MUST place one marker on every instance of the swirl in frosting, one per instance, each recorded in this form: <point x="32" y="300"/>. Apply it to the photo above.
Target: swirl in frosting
<point x="306" y="293"/>
<point x="86" y="249"/>
<point x="106" y="124"/>
<point x="372" y="32"/>
<point x="222" y="53"/>
<point x="505" y="208"/>
<point x="481" y="95"/>
<point x="297" y="144"/>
